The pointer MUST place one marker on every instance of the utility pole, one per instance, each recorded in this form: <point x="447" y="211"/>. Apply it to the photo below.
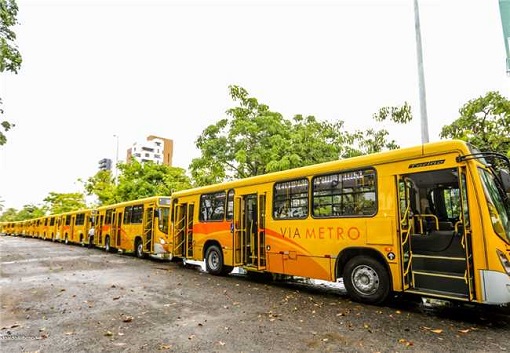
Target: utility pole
<point x="421" y="77"/>
<point x="504" y="11"/>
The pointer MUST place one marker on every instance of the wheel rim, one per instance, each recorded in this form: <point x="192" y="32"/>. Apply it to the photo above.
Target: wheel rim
<point x="214" y="260"/>
<point x="365" y="280"/>
<point x="107" y="244"/>
<point x="139" y="250"/>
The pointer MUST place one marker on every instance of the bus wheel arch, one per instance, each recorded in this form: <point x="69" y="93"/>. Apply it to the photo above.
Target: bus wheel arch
<point x="366" y="275"/>
<point x="214" y="260"/>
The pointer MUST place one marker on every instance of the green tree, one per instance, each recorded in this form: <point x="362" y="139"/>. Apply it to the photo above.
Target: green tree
<point x="9" y="215"/>
<point x="136" y="181"/>
<point x="102" y="185"/>
<point x="484" y="122"/>
<point x="10" y="57"/>
<point x="29" y="212"/>
<point x="65" y="202"/>
<point x="376" y="140"/>
<point x="254" y="140"/>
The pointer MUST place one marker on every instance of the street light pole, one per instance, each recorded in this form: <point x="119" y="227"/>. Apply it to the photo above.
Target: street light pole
<point x="421" y="77"/>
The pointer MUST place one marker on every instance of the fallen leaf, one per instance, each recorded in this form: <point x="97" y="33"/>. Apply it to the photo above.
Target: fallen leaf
<point x="127" y="319"/>
<point x="437" y="331"/>
<point x="464" y="331"/>
<point x="108" y="333"/>
<point x="115" y="298"/>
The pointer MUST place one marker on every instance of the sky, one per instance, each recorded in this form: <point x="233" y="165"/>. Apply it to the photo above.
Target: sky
<point x="93" y="70"/>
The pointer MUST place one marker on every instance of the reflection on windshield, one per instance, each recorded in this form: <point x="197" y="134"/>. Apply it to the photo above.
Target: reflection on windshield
<point x="164" y="218"/>
<point x="499" y="212"/>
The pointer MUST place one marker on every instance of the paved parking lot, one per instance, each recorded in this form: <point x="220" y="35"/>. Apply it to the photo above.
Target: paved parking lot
<point x="64" y="298"/>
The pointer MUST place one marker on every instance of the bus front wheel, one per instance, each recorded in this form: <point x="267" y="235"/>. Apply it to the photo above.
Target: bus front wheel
<point x="214" y="261"/>
<point x="366" y="280"/>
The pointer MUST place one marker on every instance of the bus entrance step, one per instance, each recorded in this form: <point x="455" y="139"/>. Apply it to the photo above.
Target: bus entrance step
<point x="438" y="293"/>
<point x="440" y="281"/>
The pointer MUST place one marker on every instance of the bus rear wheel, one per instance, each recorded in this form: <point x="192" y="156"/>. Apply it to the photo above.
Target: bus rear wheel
<point x="107" y="244"/>
<point x="139" y="249"/>
<point x="214" y="262"/>
<point x="366" y="280"/>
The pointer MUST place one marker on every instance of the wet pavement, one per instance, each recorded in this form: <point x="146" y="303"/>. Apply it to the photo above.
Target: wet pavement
<point x="66" y="298"/>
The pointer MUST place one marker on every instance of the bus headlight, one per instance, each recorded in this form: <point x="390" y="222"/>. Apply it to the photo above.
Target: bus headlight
<point x="162" y="241"/>
<point x="504" y="261"/>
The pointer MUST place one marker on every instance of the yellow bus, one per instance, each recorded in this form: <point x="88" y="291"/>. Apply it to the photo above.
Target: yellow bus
<point x="73" y="226"/>
<point x="10" y="228"/>
<point x="140" y="227"/>
<point x="433" y="220"/>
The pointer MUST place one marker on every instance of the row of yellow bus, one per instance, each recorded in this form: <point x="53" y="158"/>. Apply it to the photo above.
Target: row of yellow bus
<point x="433" y="220"/>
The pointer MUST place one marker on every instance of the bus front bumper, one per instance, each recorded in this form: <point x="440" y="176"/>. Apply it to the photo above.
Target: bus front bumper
<point x="495" y="287"/>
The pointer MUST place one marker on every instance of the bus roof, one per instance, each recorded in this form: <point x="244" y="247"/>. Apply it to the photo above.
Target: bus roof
<point x="368" y="160"/>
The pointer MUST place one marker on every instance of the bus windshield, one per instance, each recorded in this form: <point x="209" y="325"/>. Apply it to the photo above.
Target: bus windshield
<point x="499" y="209"/>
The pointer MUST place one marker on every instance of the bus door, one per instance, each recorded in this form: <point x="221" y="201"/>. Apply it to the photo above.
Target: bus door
<point x="148" y="228"/>
<point x="113" y="227"/>
<point x="117" y="228"/>
<point x="98" y="229"/>
<point x="180" y="212"/>
<point x="435" y="235"/>
<point x="249" y="231"/>
<point x="72" y="228"/>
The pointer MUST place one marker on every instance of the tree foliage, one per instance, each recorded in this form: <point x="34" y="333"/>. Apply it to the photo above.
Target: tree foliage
<point x="10" y="57"/>
<point x="136" y="181"/>
<point x="27" y="212"/>
<point x="65" y="202"/>
<point x="254" y="140"/>
<point x="484" y="122"/>
<point x="102" y="185"/>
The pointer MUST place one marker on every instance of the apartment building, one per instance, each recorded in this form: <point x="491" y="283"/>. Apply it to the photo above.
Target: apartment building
<point x="155" y="149"/>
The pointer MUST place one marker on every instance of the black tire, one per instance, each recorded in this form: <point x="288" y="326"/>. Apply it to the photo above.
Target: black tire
<point x="66" y="240"/>
<point x="139" y="249"/>
<point x="214" y="262"/>
<point x="107" y="244"/>
<point x="366" y="280"/>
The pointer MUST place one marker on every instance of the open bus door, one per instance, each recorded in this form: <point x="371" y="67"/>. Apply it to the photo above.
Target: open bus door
<point x="436" y="243"/>
<point x="148" y="228"/>
<point x="183" y="230"/>
<point x="249" y="231"/>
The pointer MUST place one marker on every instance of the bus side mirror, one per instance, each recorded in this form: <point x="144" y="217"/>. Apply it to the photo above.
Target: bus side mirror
<point x="504" y="176"/>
